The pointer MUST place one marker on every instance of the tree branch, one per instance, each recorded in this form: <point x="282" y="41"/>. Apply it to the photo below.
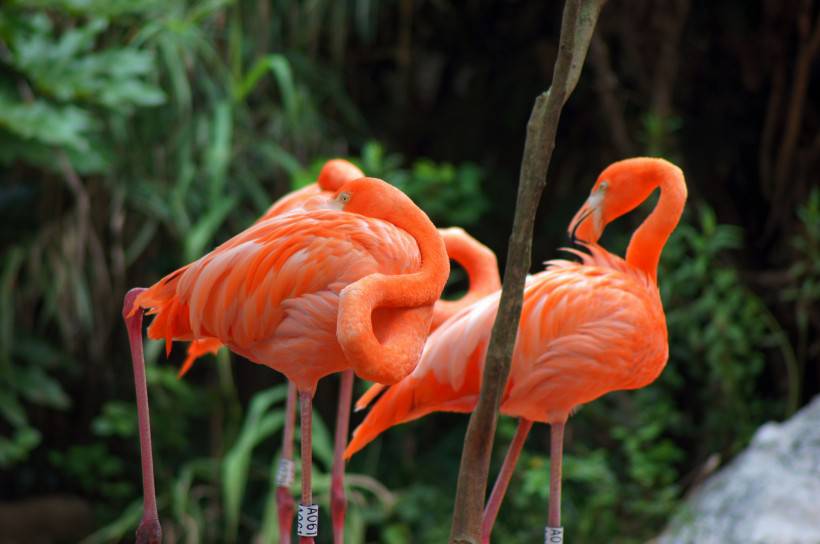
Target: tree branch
<point x="611" y="105"/>
<point x="577" y="26"/>
<point x="783" y="166"/>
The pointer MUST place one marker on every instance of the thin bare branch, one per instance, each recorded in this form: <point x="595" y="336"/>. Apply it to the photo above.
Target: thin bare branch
<point x="577" y="26"/>
<point x="773" y="108"/>
<point x="809" y="48"/>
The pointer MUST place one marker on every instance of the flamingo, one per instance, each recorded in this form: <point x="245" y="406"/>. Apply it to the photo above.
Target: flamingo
<point x="345" y="285"/>
<point x="586" y="329"/>
<point x="482" y="271"/>
<point x="332" y="175"/>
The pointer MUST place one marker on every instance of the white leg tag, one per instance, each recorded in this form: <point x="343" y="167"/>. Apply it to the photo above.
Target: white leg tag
<point x="285" y="472"/>
<point x="554" y="535"/>
<point x="307" y="523"/>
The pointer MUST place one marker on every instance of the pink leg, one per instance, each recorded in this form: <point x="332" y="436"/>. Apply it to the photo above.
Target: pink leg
<point x="149" y="530"/>
<point x="284" y="477"/>
<point x="503" y="480"/>
<point x="307" y="524"/>
<point x="338" y="502"/>
<point x="554" y="531"/>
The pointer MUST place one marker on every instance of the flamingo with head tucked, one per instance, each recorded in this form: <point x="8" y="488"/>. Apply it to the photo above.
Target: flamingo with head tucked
<point x="332" y="175"/>
<point x="345" y="285"/>
<point x="586" y="329"/>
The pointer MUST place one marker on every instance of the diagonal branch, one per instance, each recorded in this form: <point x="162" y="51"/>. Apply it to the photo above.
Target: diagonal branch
<point x="577" y="26"/>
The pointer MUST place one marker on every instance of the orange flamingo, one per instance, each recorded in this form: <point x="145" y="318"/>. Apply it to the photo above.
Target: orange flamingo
<point x="332" y="175"/>
<point x="346" y="285"/>
<point x="586" y="329"/>
<point x="482" y="270"/>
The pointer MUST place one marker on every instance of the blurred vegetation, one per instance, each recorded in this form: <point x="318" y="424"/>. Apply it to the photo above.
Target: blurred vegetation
<point x="136" y="135"/>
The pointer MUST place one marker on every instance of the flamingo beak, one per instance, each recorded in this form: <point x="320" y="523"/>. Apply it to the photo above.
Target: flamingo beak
<point x="334" y="203"/>
<point x="588" y="225"/>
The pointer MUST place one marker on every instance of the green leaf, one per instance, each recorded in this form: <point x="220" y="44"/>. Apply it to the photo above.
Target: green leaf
<point x="116" y="419"/>
<point x="39" y="388"/>
<point x="218" y="153"/>
<point x="281" y="158"/>
<point x="202" y="233"/>
<point x="16" y="449"/>
<point x="259" y="424"/>
<point x="11" y="409"/>
<point x="279" y="66"/>
<point x="46" y="123"/>
<point x="67" y="67"/>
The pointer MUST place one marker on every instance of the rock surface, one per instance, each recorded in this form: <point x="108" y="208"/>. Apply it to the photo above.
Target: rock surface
<point x="769" y="494"/>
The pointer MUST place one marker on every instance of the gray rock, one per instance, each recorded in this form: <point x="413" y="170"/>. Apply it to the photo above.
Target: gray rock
<point x="769" y="494"/>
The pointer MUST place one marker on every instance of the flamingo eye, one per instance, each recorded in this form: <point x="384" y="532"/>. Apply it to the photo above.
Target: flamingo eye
<point x="344" y="197"/>
<point x="603" y="186"/>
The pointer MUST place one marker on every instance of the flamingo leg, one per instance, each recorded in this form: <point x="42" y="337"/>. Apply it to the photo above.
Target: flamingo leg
<point x="149" y="530"/>
<point x="503" y="480"/>
<point x="284" y="476"/>
<point x="308" y="520"/>
<point x="338" y="501"/>
<point x="554" y="532"/>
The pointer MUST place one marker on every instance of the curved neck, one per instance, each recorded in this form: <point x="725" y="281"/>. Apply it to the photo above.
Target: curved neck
<point x="482" y="272"/>
<point x="425" y="286"/>
<point x="646" y="244"/>
<point x="395" y="355"/>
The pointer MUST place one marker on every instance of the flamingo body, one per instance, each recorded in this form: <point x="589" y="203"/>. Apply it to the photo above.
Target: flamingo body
<point x="271" y="294"/>
<point x="586" y="329"/>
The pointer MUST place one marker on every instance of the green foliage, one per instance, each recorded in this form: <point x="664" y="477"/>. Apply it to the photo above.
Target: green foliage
<point x="802" y="290"/>
<point x="66" y="90"/>
<point x="28" y="382"/>
<point x="132" y="107"/>
<point x="95" y="469"/>
<point x="720" y="330"/>
<point x="258" y="426"/>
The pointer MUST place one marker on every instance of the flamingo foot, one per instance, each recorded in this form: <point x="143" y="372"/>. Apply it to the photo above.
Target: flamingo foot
<point x="149" y="531"/>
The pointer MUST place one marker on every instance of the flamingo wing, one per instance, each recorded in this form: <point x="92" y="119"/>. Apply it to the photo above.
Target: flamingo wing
<point x="584" y="331"/>
<point x="282" y="275"/>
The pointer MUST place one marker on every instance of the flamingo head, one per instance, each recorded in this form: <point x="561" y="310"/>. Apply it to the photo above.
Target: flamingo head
<point x="336" y="172"/>
<point x="620" y="188"/>
<point x="374" y="198"/>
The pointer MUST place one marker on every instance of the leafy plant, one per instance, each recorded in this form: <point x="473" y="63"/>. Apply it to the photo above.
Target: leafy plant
<point x="803" y="276"/>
